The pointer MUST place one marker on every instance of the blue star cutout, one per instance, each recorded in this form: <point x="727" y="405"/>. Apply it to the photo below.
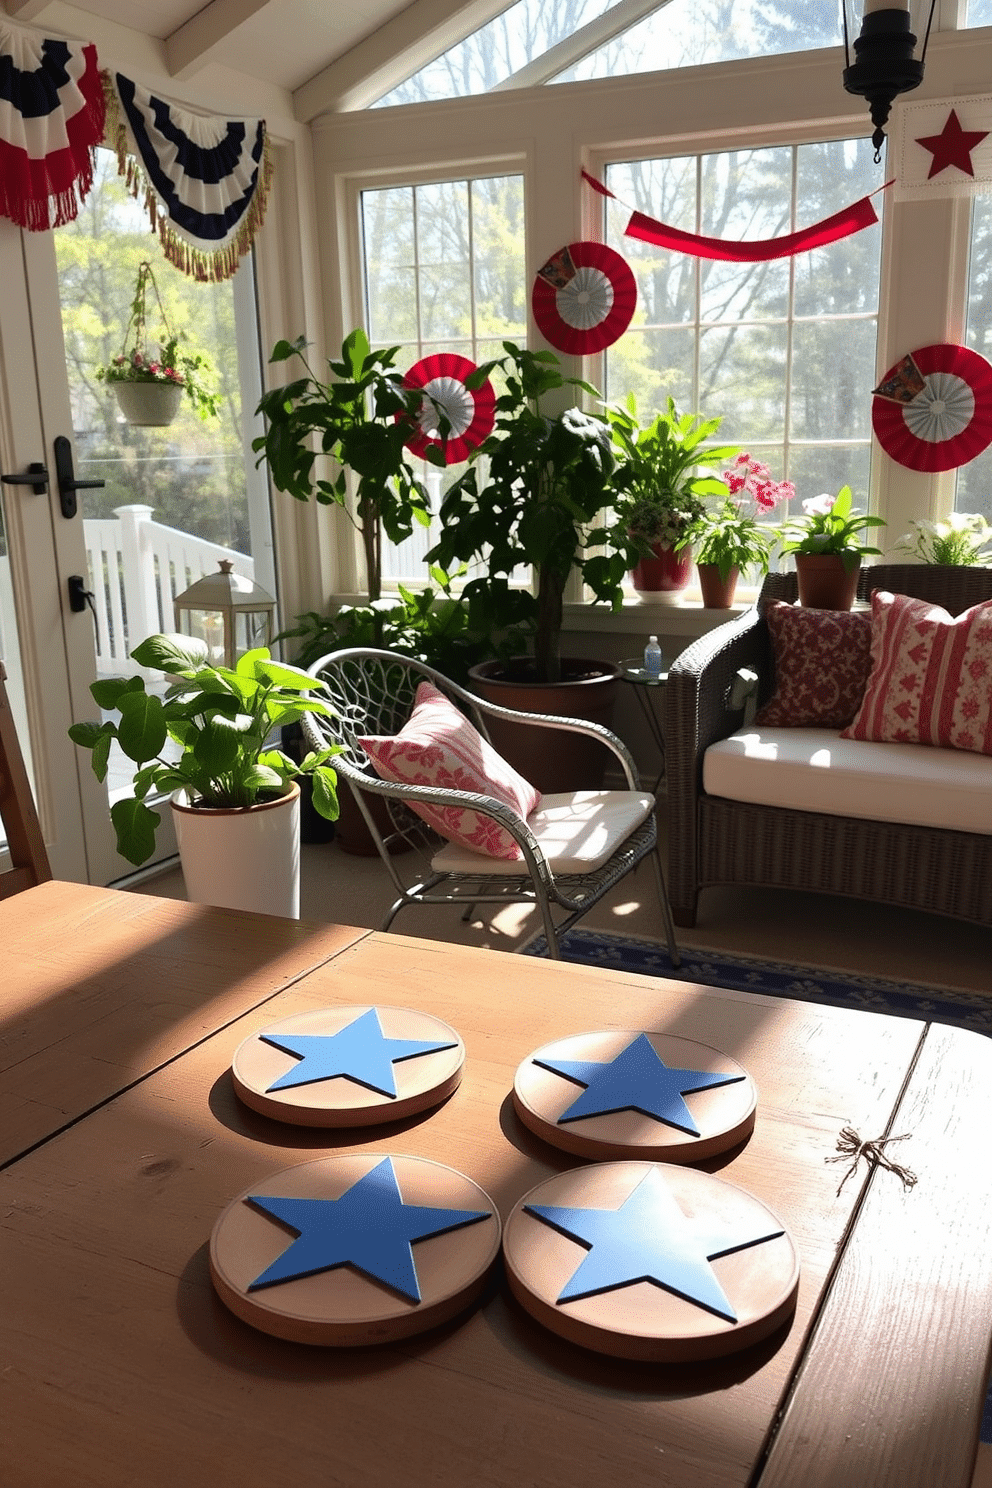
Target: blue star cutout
<point x="360" y="1051"/>
<point x="648" y="1238"/>
<point x="368" y="1227"/>
<point x="638" y="1079"/>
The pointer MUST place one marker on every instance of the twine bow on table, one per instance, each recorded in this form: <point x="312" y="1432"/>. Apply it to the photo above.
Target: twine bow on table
<point x="850" y="1145"/>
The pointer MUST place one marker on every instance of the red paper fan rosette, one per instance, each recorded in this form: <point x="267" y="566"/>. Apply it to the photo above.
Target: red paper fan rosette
<point x="584" y="298"/>
<point x="470" y="412"/>
<point x="948" y="422"/>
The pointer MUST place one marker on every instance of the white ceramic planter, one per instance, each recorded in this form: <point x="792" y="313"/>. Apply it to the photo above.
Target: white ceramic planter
<point x="243" y="858"/>
<point x="148" y="405"/>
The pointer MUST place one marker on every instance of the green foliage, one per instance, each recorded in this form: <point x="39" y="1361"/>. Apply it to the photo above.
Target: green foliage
<point x="659" y="480"/>
<point x="961" y="541"/>
<point x="220" y="718"/>
<point x="361" y="419"/>
<point x="830" y="526"/>
<point x="431" y="625"/>
<point x="548" y="480"/>
<point x="724" y="535"/>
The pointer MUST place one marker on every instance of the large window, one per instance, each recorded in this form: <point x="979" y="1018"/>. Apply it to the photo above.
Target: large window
<point x="974" y="483"/>
<point x="782" y="351"/>
<point x="443" y="270"/>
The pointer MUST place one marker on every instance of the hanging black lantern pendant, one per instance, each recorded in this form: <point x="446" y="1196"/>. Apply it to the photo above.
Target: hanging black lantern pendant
<point x="885" y="57"/>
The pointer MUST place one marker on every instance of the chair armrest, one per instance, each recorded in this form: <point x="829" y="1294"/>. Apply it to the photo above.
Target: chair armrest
<point x="701" y="681"/>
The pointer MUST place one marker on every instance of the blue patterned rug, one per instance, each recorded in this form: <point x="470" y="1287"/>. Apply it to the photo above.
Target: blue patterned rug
<point x="775" y="978"/>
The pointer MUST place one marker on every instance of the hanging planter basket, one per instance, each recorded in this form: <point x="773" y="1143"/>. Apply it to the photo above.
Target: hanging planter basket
<point x="148" y="404"/>
<point x="149" y="387"/>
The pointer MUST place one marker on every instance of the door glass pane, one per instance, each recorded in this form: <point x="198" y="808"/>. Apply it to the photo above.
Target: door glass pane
<point x="179" y="498"/>
<point x="10" y="655"/>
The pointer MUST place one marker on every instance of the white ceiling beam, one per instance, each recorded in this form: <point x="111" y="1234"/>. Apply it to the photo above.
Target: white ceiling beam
<point x="191" y="46"/>
<point x="25" y="10"/>
<point x="390" y="55"/>
<point x="597" y="33"/>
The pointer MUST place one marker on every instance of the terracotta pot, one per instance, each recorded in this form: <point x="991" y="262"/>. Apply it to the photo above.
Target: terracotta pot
<point x="245" y="857"/>
<point x="717" y="592"/>
<point x="351" y="832"/>
<point x="150" y="405"/>
<point x="556" y="761"/>
<point x="824" y="582"/>
<point x="662" y="577"/>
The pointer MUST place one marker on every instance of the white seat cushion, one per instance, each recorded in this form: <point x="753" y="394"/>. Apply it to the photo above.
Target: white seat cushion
<point x="807" y="769"/>
<point x="577" y="832"/>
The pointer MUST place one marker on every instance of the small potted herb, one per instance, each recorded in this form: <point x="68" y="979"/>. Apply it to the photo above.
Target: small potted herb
<point x="660" y="479"/>
<point x="728" y="537"/>
<point x="828" y="547"/>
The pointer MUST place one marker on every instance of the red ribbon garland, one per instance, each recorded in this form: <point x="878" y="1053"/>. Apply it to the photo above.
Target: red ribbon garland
<point x="842" y="224"/>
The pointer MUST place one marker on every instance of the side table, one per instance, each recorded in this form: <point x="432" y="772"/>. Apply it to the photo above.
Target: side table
<point x="646" y="686"/>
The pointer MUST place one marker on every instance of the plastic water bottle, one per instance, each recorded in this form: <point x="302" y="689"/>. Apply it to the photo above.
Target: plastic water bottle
<point x="652" y="657"/>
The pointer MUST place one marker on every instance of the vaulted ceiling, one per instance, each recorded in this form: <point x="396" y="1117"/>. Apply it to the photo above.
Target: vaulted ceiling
<point x="327" y="54"/>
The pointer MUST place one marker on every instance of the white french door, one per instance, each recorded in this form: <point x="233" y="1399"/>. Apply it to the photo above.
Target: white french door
<point x="191" y="494"/>
<point x="48" y="650"/>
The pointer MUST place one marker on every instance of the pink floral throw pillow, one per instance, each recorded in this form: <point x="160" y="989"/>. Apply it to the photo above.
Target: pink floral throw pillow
<point x="931" y="677"/>
<point x="822" y="661"/>
<point x="440" y="747"/>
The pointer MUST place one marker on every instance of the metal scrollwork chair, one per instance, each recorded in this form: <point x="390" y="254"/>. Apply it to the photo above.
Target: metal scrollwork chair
<point x="573" y="848"/>
<point x="25" y="843"/>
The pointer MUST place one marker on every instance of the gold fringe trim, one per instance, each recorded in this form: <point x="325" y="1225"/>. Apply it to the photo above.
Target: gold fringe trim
<point x="204" y="264"/>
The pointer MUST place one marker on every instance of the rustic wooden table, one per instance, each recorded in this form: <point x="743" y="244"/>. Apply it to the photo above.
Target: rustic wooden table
<point x="123" y="1141"/>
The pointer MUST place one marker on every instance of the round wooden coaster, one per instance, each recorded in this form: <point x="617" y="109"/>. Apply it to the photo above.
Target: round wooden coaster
<point x="696" y="1102"/>
<point x="650" y="1261"/>
<point x="401" y="1062"/>
<point x="338" y="1251"/>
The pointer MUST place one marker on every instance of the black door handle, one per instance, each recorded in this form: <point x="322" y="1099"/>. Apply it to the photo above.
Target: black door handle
<point x="66" y="477"/>
<point x="36" y="477"/>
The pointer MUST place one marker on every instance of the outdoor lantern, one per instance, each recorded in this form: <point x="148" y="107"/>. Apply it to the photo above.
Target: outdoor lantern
<point x="888" y="55"/>
<point x="231" y="614"/>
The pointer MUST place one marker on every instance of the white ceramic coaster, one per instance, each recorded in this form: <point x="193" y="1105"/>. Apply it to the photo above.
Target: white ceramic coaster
<point x="351" y="1066"/>
<point x="650" y="1261"/>
<point x="632" y="1094"/>
<point x="354" y="1249"/>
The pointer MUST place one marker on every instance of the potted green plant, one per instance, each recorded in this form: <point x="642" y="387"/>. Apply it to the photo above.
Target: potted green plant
<point x="361" y="419"/>
<point x="827" y="544"/>
<point x="963" y="540"/>
<point x="547" y="482"/>
<point x="541" y="506"/>
<point x="223" y="775"/>
<point x="149" y="388"/>
<point x="728" y="537"/>
<point x="660" y="480"/>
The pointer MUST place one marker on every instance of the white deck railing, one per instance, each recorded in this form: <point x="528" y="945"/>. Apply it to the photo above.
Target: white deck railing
<point x="136" y="568"/>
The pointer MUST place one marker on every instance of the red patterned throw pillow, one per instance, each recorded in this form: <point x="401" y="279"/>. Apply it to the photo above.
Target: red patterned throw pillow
<point x="822" y="662"/>
<point x="931" y="677"/>
<point x="440" y="747"/>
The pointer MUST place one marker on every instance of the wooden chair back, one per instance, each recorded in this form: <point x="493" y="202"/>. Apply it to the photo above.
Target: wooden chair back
<point x="29" y="858"/>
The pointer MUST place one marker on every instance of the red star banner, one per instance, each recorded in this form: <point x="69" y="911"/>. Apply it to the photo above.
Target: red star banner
<point x="943" y="148"/>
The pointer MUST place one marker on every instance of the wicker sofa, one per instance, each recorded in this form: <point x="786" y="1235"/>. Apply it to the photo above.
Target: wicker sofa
<point x="713" y="840"/>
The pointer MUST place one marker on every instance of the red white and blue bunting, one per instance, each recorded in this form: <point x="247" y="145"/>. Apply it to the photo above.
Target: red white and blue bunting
<point x="205" y="179"/>
<point x="842" y="224"/>
<point x="52" y="114"/>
